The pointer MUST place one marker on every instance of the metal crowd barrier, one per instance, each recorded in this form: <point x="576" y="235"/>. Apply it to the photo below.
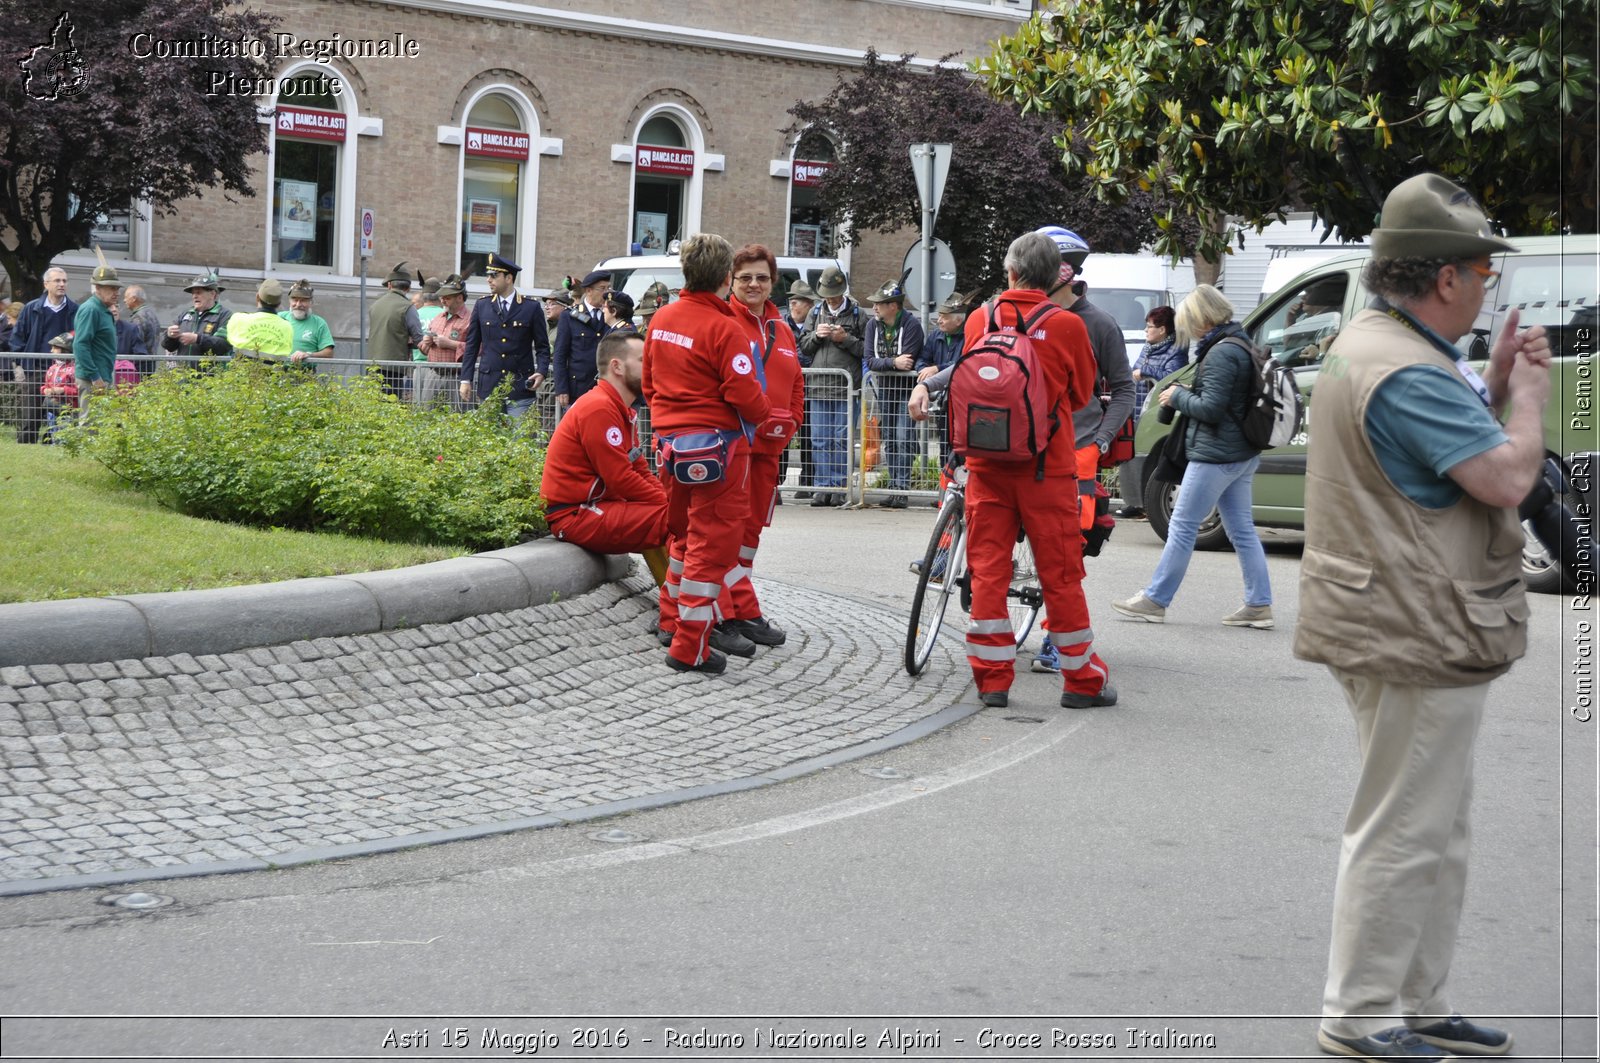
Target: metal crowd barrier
<point x="856" y="466"/>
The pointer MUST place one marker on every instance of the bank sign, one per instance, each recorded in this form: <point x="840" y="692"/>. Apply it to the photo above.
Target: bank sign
<point x="810" y="174"/>
<point x="311" y="125"/>
<point x="498" y="144"/>
<point x="678" y="162"/>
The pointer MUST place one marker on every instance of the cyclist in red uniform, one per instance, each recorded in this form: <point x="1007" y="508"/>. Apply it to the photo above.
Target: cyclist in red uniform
<point x="1003" y="495"/>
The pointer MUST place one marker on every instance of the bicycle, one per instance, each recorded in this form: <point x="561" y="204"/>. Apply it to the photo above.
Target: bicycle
<point x="942" y="570"/>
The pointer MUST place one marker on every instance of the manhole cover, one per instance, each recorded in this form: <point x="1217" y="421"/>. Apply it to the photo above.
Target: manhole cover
<point x="616" y="836"/>
<point x="885" y="773"/>
<point x="136" y="901"/>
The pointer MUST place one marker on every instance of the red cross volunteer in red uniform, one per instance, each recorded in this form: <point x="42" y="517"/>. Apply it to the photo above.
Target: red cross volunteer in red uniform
<point x="755" y="269"/>
<point x="1003" y="495"/>
<point x="703" y="382"/>
<point x="597" y="486"/>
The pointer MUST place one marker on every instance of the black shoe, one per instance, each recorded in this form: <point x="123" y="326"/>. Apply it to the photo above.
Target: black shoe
<point x="760" y="631"/>
<point x="714" y="664"/>
<point x="821" y="499"/>
<point x="895" y="502"/>
<point x="995" y="699"/>
<point x="801" y="496"/>
<point x="1129" y="512"/>
<point x="728" y="640"/>
<point x="662" y="635"/>
<point x="1106" y="696"/>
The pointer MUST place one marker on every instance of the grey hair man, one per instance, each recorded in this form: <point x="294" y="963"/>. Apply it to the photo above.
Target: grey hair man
<point x="1410" y="594"/>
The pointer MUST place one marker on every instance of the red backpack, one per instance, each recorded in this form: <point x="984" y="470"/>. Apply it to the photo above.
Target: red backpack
<point x="1000" y="408"/>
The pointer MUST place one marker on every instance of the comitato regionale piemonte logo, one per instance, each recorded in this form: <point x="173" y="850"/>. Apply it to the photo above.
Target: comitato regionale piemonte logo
<point x="55" y="69"/>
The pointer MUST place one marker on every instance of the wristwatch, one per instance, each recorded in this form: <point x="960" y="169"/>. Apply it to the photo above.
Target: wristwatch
<point x="1105" y="446"/>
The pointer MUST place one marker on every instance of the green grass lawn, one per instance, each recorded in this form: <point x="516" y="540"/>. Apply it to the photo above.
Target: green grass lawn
<point x="74" y="530"/>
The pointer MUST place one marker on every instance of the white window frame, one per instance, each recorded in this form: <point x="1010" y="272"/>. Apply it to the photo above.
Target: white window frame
<point x="344" y="196"/>
<point x="527" y="182"/>
<point x="694" y="183"/>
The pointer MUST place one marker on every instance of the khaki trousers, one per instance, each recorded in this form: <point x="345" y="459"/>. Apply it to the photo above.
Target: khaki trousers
<point x="1403" y="861"/>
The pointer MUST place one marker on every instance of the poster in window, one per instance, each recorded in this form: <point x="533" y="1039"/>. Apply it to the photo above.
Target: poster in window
<point x="483" y="225"/>
<point x="804" y="240"/>
<point x="650" y="231"/>
<point x="297" y="210"/>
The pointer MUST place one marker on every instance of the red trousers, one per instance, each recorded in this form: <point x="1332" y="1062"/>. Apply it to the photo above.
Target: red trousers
<point x="738" y="600"/>
<point x="705" y="523"/>
<point x="998" y="504"/>
<point x="612" y="527"/>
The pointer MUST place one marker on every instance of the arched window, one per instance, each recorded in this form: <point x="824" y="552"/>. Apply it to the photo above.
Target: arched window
<point x="309" y="133"/>
<point x="809" y="232"/>
<point x="664" y="184"/>
<point x="496" y="148"/>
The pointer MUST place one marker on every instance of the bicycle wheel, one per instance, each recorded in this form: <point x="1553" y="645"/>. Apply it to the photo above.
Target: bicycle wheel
<point x="1023" y="597"/>
<point x="942" y="563"/>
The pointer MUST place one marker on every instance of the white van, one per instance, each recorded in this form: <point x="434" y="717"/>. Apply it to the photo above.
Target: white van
<point x="1130" y="286"/>
<point x="634" y="273"/>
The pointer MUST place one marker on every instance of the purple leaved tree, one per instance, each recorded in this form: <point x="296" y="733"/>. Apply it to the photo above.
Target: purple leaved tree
<point x="90" y="126"/>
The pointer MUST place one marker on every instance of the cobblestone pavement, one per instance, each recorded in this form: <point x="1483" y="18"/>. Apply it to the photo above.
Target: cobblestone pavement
<point x="272" y="756"/>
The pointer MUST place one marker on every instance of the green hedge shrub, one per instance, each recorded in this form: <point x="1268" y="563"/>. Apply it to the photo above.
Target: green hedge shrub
<point x="281" y="447"/>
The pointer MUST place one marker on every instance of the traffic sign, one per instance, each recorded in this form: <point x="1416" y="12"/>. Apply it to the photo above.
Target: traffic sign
<point x="366" y="232"/>
<point x="944" y="271"/>
<point x="930" y="178"/>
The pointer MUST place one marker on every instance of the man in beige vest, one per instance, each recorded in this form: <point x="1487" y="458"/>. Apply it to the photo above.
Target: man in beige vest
<point x="1411" y="594"/>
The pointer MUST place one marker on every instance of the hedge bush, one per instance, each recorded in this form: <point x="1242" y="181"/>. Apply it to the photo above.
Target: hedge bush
<point x="282" y="447"/>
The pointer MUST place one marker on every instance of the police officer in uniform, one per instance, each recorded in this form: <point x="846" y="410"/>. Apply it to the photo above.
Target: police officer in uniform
<point x="202" y="331"/>
<point x="507" y="336"/>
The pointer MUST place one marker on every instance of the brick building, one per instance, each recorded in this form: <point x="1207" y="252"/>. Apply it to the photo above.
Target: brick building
<point x="557" y="135"/>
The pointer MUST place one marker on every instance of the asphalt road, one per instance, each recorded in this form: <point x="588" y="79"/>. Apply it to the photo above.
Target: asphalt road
<point x="1165" y="866"/>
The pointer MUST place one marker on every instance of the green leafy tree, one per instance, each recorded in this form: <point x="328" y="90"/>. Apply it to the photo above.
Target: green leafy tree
<point x="90" y="126"/>
<point x="1248" y="107"/>
<point x="1005" y="177"/>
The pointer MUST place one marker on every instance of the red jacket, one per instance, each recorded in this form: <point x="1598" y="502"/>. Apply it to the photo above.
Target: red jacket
<point x="1062" y="343"/>
<point x="786" y="387"/>
<point x="699" y="370"/>
<point x="592" y="457"/>
<point x="61" y="375"/>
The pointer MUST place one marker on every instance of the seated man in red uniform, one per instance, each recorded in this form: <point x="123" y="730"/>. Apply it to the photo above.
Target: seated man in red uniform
<point x="598" y="490"/>
<point x="703" y="379"/>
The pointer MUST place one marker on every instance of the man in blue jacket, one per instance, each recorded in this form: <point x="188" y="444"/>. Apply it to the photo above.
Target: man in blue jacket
<point x="42" y="319"/>
<point x="506" y="337"/>
<point x="890" y="349"/>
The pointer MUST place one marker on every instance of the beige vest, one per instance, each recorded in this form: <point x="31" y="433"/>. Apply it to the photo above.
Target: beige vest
<point x="1424" y="597"/>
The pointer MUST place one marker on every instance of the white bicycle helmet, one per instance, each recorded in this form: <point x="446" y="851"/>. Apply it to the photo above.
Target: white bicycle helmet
<point x="1074" y="248"/>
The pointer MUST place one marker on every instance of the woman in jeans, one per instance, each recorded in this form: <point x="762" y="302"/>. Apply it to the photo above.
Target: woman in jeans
<point x="1221" y="468"/>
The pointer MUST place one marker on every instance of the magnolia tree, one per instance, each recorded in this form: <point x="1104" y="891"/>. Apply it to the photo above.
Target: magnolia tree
<point x="1005" y="174"/>
<point x="1244" y="108"/>
<point x="94" y="121"/>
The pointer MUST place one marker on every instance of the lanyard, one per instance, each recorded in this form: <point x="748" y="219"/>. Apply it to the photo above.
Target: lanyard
<point x="1469" y="374"/>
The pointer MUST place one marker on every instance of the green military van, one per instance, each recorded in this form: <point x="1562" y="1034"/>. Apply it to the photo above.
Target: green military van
<point x="1552" y="280"/>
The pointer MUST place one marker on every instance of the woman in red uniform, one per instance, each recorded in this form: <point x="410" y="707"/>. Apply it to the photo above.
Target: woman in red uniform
<point x="754" y="272"/>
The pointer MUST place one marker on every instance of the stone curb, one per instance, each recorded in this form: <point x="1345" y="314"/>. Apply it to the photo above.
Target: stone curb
<point x="91" y="630"/>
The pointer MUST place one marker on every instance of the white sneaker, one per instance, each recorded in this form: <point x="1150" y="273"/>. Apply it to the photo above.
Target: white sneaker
<point x="1257" y="616"/>
<point x="1141" y="608"/>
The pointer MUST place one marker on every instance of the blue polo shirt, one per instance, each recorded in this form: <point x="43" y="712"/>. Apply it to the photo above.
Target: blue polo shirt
<point x="1423" y="421"/>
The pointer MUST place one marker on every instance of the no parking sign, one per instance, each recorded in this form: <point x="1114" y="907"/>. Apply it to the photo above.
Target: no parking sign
<point x="366" y="232"/>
